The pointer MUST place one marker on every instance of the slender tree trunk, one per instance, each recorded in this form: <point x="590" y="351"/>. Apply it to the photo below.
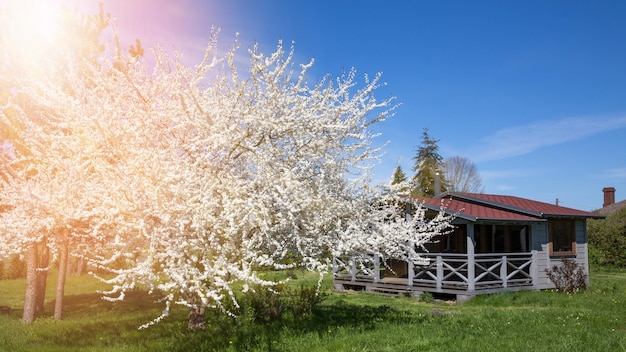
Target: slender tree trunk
<point x="30" y="298"/>
<point x="63" y="260"/>
<point x="80" y="266"/>
<point x="70" y="267"/>
<point x="42" y="276"/>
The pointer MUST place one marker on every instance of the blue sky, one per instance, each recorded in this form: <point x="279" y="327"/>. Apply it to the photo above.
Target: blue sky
<point x="534" y="92"/>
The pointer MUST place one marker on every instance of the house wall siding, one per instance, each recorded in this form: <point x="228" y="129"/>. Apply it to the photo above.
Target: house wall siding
<point x="545" y="262"/>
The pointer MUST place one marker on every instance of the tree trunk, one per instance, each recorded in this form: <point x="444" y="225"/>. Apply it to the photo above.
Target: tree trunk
<point x="63" y="259"/>
<point x="42" y="276"/>
<point x="196" y="316"/>
<point x="80" y="266"/>
<point x="30" y="298"/>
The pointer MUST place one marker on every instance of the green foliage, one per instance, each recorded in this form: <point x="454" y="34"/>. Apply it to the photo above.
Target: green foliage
<point x="428" y="163"/>
<point x="291" y="274"/>
<point x="398" y="176"/>
<point x="16" y="268"/>
<point x="568" y="277"/>
<point x="607" y="240"/>
<point x="268" y="304"/>
<point x="426" y="297"/>
<point x="304" y="299"/>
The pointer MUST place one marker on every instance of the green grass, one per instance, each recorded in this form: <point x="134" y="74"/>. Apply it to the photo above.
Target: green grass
<point x="594" y="320"/>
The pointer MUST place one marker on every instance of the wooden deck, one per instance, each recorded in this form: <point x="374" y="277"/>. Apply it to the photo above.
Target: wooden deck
<point x="461" y="275"/>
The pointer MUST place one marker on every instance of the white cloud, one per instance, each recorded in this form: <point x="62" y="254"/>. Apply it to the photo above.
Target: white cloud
<point x="617" y="173"/>
<point x="504" y="181"/>
<point x="510" y="173"/>
<point x="520" y="140"/>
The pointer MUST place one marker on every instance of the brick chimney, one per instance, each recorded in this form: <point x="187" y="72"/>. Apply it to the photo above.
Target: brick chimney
<point x="609" y="196"/>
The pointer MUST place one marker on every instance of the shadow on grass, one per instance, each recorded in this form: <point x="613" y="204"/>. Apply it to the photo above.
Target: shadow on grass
<point x="93" y="323"/>
<point x="92" y="304"/>
<point x="245" y="335"/>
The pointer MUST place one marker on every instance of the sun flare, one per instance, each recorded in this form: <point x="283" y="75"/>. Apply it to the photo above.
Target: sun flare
<point x="31" y="26"/>
<point x="49" y="17"/>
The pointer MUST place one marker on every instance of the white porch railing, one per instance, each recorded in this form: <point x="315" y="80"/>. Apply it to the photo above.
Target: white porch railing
<point x="349" y="268"/>
<point x="447" y="271"/>
<point x="456" y="271"/>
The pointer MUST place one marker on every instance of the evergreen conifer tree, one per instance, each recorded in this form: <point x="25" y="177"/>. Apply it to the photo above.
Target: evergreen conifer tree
<point x="398" y="176"/>
<point x="428" y="164"/>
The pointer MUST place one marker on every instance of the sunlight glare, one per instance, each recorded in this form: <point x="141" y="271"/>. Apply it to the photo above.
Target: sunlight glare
<point x="49" y="16"/>
<point x="33" y="26"/>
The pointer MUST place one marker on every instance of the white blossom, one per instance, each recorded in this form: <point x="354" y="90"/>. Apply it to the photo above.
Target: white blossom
<point x="187" y="181"/>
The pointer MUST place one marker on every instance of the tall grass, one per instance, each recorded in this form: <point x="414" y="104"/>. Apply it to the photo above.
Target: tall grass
<point x="594" y="320"/>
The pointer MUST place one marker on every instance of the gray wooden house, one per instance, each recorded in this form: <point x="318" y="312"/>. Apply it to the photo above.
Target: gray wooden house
<point x="499" y="243"/>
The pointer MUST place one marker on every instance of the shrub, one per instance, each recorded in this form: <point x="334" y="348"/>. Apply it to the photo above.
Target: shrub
<point x="291" y="274"/>
<point x="304" y="299"/>
<point x="426" y="297"/>
<point x="263" y="304"/>
<point x="267" y="304"/>
<point x="607" y="240"/>
<point x="568" y="277"/>
<point x="16" y="268"/>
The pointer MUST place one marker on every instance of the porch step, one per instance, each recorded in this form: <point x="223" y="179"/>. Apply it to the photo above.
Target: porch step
<point x="393" y="292"/>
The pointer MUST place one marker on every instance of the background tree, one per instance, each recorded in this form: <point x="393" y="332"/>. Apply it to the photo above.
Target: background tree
<point x="398" y="178"/>
<point x="607" y="240"/>
<point x="55" y="188"/>
<point x="428" y="164"/>
<point x="462" y="175"/>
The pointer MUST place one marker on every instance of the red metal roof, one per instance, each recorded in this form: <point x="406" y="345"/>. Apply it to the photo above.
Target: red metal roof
<point x="531" y="207"/>
<point x="475" y="206"/>
<point x="473" y="211"/>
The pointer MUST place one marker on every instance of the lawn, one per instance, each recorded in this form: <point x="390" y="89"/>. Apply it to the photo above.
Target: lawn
<point x="594" y="320"/>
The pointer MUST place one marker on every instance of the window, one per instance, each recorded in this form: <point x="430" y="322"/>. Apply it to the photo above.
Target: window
<point x="562" y="237"/>
<point x="501" y="238"/>
<point x="453" y="242"/>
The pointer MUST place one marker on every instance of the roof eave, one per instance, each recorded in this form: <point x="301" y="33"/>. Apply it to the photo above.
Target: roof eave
<point x="492" y="204"/>
<point x="457" y="214"/>
<point x="592" y="216"/>
<point x="511" y="220"/>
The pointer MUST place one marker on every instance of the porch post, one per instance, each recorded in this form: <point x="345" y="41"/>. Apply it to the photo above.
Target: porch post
<point x="503" y="271"/>
<point x="410" y="272"/>
<point x="534" y="272"/>
<point x="439" y="272"/>
<point x="471" y="274"/>
<point x="376" y="267"/>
